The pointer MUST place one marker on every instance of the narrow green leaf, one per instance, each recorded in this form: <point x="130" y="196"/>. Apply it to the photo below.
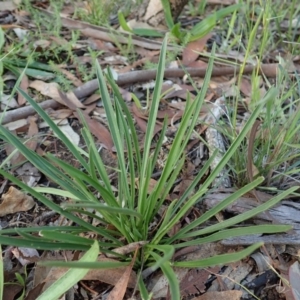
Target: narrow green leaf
<point x="65" y="237"/>
<point x="113" y="127"/>
<point x="168" y="251"/>
<point x="207" y="25"/>
<point x="123" y="22"/>
<point x="39" y="228"/>
<point x="58" y="209"/>
<point x="71" y="147"/>
<point x="213" y="211"/>
<point x="172" y="279"/>
<point x="39" y="245"/>
<point x="85" y="265"/>
<point x="224" y="234"/>
<point x="246" y="215"/>
<point x="102" y="207"/>
<point x="168" y="13"/>
<point x="218" y="259"/>
<point x="147" y="32"/>
<point x="144" y="180"/>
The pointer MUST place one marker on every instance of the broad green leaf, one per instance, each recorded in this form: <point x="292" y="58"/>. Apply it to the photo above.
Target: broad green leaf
<point x="71" y="277"/>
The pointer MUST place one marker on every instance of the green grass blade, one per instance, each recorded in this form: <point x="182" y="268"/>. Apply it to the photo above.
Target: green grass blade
<point x="212" y="212"/>
<point x="168" y="251"/>
<point x="39" y="228"/>
<point x="247" y="215"/>
<point x="207" y="25"/>
<point x="144" y="180"/>
<point x="113" y="127"/>
<point x="71" y="147"/>
<point x="224" y="234"/>
<point x="79" y="175"/>
<point x="102" y="207"/>
<point x="183" y="134"/>
<point x="65" y="237"/>
<point x="218" y="259"/>
<point x="40" y="163"/>
<point x="85" y="265"/>
<point x="168" y="13"/>
<point x="170" y="275"/>
<point x="123" y="23"/>
<point x="58" y="209"/>
<point x="39" y="245"/>
<point x="131" y="126"/>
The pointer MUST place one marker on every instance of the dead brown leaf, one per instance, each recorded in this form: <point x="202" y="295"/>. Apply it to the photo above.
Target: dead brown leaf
<point x="225" y="295"/>
<point x="119" y="290"/>
<point x="24" y="86"/>
<point x="246" y="87"/>
<point x="140" y="120"/>
<point x="124" y="250"/>
<point x="99" y="131"/>
<point x="35" y="292"/>
<point x="11" y="290"/>
<point x="194" y="281"/>
<point x="15" y="201"/>
<point x="193" y="49"/>
<point x="25" y="255"/>
<point x="51" y="90"/>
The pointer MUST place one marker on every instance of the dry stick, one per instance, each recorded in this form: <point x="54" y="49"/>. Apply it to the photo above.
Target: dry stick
<point x="269" y="70"/>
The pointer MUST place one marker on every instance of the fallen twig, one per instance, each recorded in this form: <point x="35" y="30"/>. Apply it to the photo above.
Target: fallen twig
<point x="269" y="70"/>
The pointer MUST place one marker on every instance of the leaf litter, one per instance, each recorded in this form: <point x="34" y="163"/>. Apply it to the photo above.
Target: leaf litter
<point x="46" y="83"/>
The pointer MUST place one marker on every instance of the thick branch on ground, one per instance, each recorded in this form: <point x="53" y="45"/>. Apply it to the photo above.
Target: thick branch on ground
<point x="269" y="70"/>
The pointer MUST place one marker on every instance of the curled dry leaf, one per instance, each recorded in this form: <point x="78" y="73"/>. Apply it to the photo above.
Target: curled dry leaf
<point x="25" y="255"/>
<point x="15" y="201"/>
<point x="51" y="90"/>
<point x="124" y="250"/>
